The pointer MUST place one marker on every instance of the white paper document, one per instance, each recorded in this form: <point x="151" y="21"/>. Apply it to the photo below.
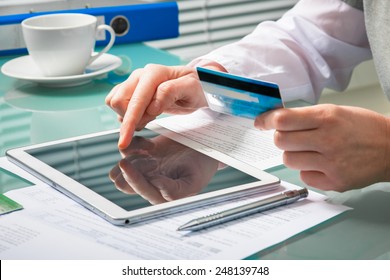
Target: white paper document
<point x="233" y="136"/>
<point x="52" y="226"/>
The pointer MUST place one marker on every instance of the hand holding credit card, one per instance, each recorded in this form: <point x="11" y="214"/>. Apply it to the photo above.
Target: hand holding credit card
<point x="238" y="96"/>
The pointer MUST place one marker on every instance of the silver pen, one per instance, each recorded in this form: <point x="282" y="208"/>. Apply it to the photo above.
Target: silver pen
<point x="284" y="198"/>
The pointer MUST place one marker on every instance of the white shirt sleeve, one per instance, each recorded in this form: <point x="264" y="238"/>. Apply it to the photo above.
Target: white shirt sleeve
<point x="316" y="44"/>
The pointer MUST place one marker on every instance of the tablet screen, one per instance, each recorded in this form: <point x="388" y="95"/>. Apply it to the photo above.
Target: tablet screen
<point x="90" y="161"/>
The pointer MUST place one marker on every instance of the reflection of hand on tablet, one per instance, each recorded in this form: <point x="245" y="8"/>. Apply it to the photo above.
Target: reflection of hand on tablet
<point x="161" y="170"/>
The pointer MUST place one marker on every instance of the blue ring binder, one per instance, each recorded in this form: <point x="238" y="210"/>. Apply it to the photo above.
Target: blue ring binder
<point x="132" y="23"/>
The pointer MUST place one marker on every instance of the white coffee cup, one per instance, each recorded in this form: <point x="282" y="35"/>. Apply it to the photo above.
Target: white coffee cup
<point x="63" y="44"/>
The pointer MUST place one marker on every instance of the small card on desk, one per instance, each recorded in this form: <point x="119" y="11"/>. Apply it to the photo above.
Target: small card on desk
<point x="10" y="181"/>
<point x="238" y="96"/>
<point x="7" y="205"/>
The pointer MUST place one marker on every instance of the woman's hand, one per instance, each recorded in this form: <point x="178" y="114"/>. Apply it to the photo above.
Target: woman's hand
<point x="152" y="90"/>
<point x="335" y="147"/>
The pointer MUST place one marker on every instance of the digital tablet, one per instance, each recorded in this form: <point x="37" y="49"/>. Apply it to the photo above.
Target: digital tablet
<point x="80" y="167"/>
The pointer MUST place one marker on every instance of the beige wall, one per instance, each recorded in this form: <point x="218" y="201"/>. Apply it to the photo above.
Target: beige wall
<point x="363" y="91"/>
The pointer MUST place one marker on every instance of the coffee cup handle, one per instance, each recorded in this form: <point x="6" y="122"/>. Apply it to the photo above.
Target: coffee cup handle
<point x="108" y="46"/>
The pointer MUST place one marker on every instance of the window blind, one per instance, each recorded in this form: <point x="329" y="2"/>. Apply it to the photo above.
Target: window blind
<point x="208" y="24"/>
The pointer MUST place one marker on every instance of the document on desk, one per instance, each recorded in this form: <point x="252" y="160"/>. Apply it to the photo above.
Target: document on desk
<point x="234" y="136"/>
<point x="52" y="226"/>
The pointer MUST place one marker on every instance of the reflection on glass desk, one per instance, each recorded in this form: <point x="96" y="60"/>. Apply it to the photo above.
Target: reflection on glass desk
<point x="30" y="113"/>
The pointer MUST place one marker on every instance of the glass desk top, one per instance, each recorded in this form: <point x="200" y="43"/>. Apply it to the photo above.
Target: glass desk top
<point x="31" y="114"/>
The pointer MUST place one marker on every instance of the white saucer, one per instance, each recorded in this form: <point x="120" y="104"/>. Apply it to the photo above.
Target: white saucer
<point x="24" y="68"/>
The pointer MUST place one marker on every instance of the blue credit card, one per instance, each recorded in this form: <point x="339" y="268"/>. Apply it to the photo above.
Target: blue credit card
<point x="238" y="96"/>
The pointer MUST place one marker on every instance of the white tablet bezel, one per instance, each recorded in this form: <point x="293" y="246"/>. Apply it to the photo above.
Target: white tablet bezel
<point x="119" y="216"/>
